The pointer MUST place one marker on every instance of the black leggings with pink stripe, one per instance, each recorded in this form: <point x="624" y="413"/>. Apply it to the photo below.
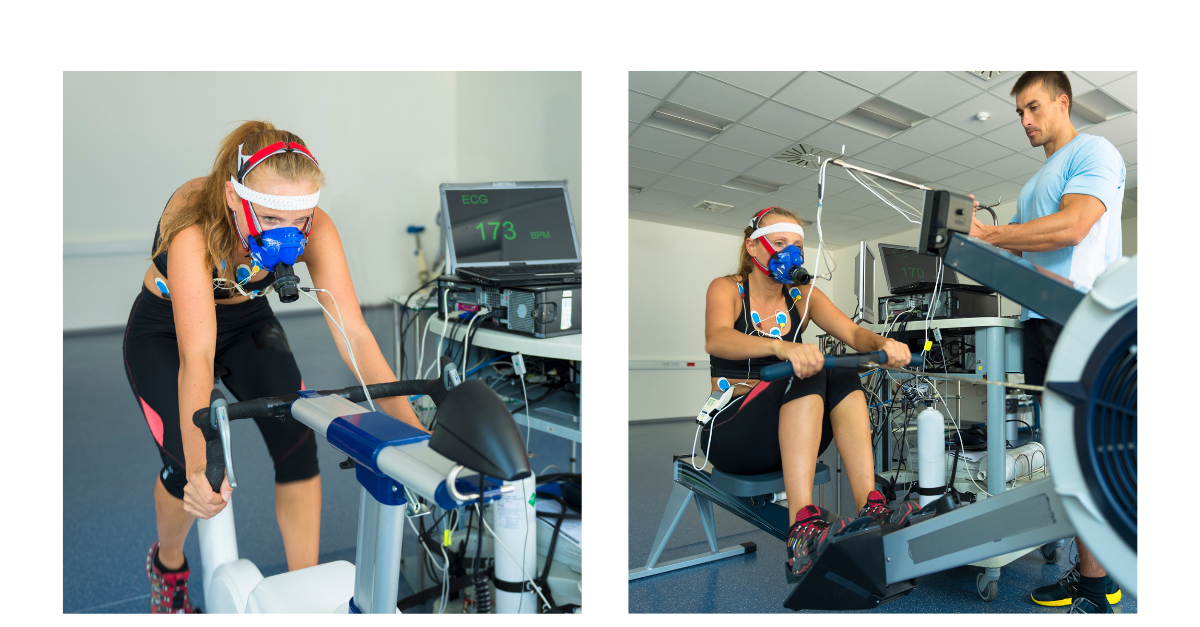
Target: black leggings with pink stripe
<point x="251" y="346"/>
<point x="746" y="436"/>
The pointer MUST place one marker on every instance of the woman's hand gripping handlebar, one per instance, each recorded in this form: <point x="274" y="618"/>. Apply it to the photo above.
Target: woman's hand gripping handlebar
<point x="785" y="369"/>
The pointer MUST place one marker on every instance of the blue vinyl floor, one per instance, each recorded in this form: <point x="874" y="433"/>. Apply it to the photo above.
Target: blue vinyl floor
<point x="110" y="462"/>
<point x="755" y="583"/>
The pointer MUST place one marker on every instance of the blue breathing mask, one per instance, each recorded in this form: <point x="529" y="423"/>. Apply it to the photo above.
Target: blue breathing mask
<point x="276" y="246"/>
<point x="783" y="263"/>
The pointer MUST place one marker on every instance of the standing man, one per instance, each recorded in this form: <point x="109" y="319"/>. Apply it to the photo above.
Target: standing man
<point x="1068" y="221"/>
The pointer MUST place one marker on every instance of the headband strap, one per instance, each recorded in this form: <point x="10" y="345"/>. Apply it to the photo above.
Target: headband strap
<point x="778" y="227"/>
<point x="282" y="203"/>
<point x="247" y="163"/>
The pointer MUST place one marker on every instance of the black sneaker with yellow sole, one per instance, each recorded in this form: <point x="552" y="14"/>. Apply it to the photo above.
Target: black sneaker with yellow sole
<point x="1062" y="592"/>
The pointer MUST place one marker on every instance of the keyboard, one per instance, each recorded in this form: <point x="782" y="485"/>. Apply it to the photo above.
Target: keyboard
<point x="546" y="268"/>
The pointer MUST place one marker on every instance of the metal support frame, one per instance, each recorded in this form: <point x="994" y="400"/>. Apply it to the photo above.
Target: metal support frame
<point x="1022" y="518"/>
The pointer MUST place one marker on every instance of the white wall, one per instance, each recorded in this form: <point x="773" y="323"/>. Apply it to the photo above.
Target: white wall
<point x="385" y="141"/>
<point x="670" y="268"/>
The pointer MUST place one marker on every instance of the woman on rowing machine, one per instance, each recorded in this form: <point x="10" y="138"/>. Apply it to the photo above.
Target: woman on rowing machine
<point x="753" y="319"/>
<point x="226" y="240"/>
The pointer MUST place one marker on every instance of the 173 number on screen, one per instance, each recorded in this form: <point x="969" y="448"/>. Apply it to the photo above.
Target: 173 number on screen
<point x="509" y="232"/>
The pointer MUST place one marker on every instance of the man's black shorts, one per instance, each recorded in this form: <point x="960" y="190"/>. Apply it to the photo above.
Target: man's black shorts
<point x="1040" y="337"/>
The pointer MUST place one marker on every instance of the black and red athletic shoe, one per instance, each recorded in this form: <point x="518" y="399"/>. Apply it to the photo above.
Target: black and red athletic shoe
<point x="807" y="539"/>
<point x="877" y="509"/>
<point x="168" y="590"/>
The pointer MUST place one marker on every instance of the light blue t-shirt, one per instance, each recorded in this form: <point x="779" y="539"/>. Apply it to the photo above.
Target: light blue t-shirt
<point x="1090" y="165"/>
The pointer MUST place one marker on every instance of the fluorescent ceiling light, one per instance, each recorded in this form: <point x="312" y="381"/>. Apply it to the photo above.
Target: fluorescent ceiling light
<point x="687" y="121"/>
<point x="882" y="118"/>
<point x="634" y="191"/>
<point x="713" y="206"/>
<point x="753" y="185"/>
<point x="1097" y="106"/>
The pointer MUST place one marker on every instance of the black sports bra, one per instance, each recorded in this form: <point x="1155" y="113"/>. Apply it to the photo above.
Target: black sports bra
<point x="160" y="262"/>
<point x="750" y="368"/>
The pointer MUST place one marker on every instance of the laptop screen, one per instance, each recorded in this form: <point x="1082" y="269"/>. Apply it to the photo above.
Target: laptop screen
<point x="519" y="222"/>
<point x="904" y="266"/>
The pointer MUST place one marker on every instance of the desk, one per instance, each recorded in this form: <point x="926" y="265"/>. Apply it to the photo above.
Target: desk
<point x="997" y="352"/>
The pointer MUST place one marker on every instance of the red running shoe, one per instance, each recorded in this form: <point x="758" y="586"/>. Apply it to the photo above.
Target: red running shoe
<point x="807" y="539"/>
<point x="168" y="591"/>
<point x="877" y="509"/>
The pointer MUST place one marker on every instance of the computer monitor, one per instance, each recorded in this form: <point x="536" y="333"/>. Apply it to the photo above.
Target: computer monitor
<point x="864" y="283"/>
<point x="498" y="224"/>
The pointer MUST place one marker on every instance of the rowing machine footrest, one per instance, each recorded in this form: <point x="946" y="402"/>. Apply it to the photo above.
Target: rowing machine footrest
<point x="849" y="575"/>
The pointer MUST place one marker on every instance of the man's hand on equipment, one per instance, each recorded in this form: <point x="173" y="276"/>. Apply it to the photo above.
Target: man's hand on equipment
<point x="807" y="359"/>
<point x="898" y="354"/>
<point x="978" y="229"/>
<point x="198" y="498"/>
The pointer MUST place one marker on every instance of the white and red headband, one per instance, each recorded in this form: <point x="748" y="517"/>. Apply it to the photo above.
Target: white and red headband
<point x="281" y="203"/>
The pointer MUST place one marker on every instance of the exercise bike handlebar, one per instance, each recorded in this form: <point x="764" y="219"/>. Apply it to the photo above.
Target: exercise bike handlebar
<point x="784" y="369"/>
<point x="278" y="407"/>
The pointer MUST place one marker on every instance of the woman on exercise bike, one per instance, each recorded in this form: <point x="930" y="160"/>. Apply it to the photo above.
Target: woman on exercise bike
<point x="222" y="243"/>
<point x="753" y="319"/>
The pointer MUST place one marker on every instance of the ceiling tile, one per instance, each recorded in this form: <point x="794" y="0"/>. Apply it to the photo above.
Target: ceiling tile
<point x="683" y="186"/>
<point x="652" y="161"/>
<point x="726" y="158"/>
<point x="932" y="136"/>
<point x="657" y="84"/>
<point x="637" y="203"/>
<point x="641" y="106"/>
<point x="1124" y="90"/>
<point x="862" y="194"/>
<point x="664" y="142"/>
<point x="823" y="95"/>
<point x="891" y="156"/>
<point x="933" y="169"/>
<point x="1079" y="84"/>
<point x="763" y="83"/>
<point x="752" y="140"/>
<point x="713" y="96"/>
<point x="783" y="120"/>
<point x="1102" y="78"/>
<point x="930" y="92"/>
<point x="704" y="173"/>
<point x="1037" y="153"/>
<point x="779" y="172"/>
<point x="796" y="194"/>
<point x="840" y="205"/>
<point x="873" y="82"/>
<point x="1010" y="136"/>
<point x="729" y="196"/>
<point x="976" y="152"/>
<point x="834" y="136"/>
<point x="1131" y="178"/>
<point x="633" y="126"/>
<point x="963" y="115"/>
<point x="833" y="184"/>
<point x="1004" y="190"/>
<point x="663" y="197"/>
<point x="971" y="180"/>
<point x="642" y="178"/>
<point x="1119" y="131"/>
<point x="1012" y="167"/>
<point x="876" y="213"/>
<point x="1005" y="84"/>
<point x="1129" y="151"/>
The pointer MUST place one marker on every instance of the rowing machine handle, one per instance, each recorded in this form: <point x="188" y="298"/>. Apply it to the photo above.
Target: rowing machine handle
<point x="784" y="369"/>
<point x="214" y="468"/>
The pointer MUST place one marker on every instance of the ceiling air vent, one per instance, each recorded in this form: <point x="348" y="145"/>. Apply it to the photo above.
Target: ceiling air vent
<point x="804" y="156"/>
<point x="987" y="76"/>
<point x="713" y="206"/>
